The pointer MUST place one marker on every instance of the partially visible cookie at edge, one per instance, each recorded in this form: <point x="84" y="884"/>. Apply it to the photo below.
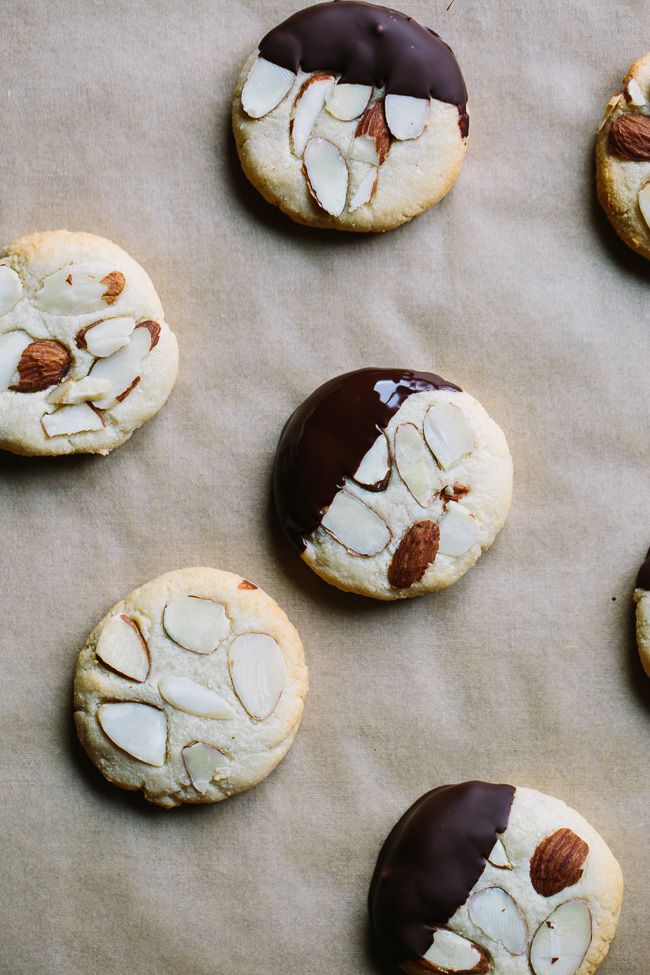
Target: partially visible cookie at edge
<point x="86" y="356"/>
<point x="190" y="689"/>
<point x="642" y="600"/>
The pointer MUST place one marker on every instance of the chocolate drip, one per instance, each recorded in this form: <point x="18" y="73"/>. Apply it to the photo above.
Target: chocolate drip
<point x="327" y="437"/>
<point x="643" y="578"/>
<point x="430" y="862"/>
<point x="369" y="45"/>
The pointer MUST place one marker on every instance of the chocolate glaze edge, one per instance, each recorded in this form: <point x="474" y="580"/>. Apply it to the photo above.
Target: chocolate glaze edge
<point x="643" y="575"/>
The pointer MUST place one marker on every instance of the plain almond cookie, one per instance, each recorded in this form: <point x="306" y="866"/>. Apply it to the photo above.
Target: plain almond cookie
<point x="351" y="116"/>
<point x="623" y="158"/>
<point x="191" y="689"/>
<point x="390" y="483"/>
<point x="478" y="878"/>
<point x="642" y="600"/>
<point x="85" y="353"/>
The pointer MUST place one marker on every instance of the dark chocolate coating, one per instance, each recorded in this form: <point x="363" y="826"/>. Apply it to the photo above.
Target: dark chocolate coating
<point x="430" y="862"/>
<point x="369" y="45"/>
<point x="643" y="577"/>
<point x="328" y="436"/>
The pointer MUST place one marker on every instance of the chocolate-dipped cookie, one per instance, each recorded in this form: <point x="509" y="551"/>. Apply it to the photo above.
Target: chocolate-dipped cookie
<point x="642" y="600"/>
<point x="478" y="878"/>
<point x="352" y="116"/>
<point x="390" y="483"/>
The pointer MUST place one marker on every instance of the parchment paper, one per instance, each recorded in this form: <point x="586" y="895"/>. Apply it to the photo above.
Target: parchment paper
<point x="114" y="118"/>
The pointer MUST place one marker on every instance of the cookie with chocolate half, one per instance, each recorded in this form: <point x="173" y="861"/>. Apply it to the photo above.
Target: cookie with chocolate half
<point x="191" y="689"/>
<point x="390" y="483"/>
<point x="478" y="878"/>
<point x="351" y="116"/>
<point x="85" y="353"/>
<point x="642" y="600"/>
<point x="623" y="158"/>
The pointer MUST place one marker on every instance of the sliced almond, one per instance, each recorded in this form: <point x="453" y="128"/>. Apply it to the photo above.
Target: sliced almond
<point x="558" y="862"/>
<point x="633" y="94"/>
<point x="450" y="952"/>
<point x="122" y="369"/>
<point x="347" y="102"/>
<point x="453" y="492"/>
<point x="265" y="87"/>
<point x="72" y="419"/>
<point x="363" y="149"/>
<point x="458" y="530"/>
<point x="44" y="363"/>
<point x="327" y="175"/>
<point x="406" y="116"/>
<point x="495" y="912"/>
<point x="611" y="105"/>
<point x="365" y="190"/>
<point x="415" y="464"/>
<point x="374" y="470"/>
<point x="121" y="647"/>
<point x="562" y="940"/>
<point x="11" y="289"/>
<point x="414" y="554"/>
<point x="498" y="857"/>
<point x="196" y="623"/>
<point x="12" y="346"/>
<point x="138" y="729"/>
<point x="373" y="125"/>
<point x="186" y="695"/>
<point x="72" y="391"/>
<point x="306" y="109"/>
<point x="644" y="202"/>
<point x="203" y="763"/>
<point x="258" y="673"/>
<point x="79" y="289"/>
<point x="106" y="336"/>
<point x="448" y="433"/>
<point x="356" y="526"/>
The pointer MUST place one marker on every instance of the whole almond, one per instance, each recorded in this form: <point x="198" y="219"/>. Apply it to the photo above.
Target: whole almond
<point x="416" y="551"/>
<point x="629" y="137"/>
<point x="558" y="862"/>
<point x="373" y="123"/>
<point x="42" y="364"/>
<point x="114" y="283"/>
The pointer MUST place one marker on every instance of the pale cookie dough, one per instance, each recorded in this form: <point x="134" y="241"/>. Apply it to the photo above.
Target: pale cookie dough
<point x="479" y="878"/>
<point x="351" y="116"/>
<point x="390" y="483"/>
<point x="85" y="353"/>
<point x="191" y="689"/>
<point x="642" y="600"/>
<point x="623" y="158"/>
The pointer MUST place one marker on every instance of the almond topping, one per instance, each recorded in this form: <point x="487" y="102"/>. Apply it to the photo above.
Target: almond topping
<point x="244" y="584"/>
<point x="558" y="862"/>
<point x="414" y="554"/>
<point x="629" y="137"/>
<point x="42" y="364"/>
<point x="114" y="284"/>
<point x="562" y="940"/>
<point x="373" y="124"/>
<point x="453" y="954"/>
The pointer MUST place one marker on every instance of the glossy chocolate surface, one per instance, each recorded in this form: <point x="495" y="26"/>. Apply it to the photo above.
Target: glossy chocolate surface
<point x="369" y="45"/>
<point x="643" y="577"/>
<point x="328" y="436"/>
<point x="431" y="861"/>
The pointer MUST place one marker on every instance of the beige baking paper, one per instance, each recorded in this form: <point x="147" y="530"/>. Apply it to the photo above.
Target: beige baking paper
<point x="114" y="118"/>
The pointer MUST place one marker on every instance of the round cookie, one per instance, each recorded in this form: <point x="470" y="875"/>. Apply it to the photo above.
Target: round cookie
<point x="351" y="116"/>
<point x="390" y="483"/>
<point x="191" y="689"/>
<point x="642" y="600"/>
<point x="85" y="353"/>
<point x="623" y="158"/>
<point x="478" y="878"/>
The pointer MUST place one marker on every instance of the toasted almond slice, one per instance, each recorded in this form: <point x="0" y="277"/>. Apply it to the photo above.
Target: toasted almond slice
<point x="498" y="857"/>
<point x="258" y="673"/>
<point x="306" y="109"/>
<point x="44" y="363"/>
<point x="365" y="190"/>
<point x="79" y="289"/>
<point x="356" y="526"/>
<point x="414" y="554"/>
<point x="644" y="202"/>
<point x="203" y="762"/>
<point x="327" y="175"/>
<point x="406" y="116"/>
<point x="363" y="149"/>
<point x="186" y="695"/>
<point x="458" y="530"/>
<point x="558" y="862"/>
<point x="415" y="464"/>
<point x="347" y="102"/>
<point x="634" y="95"/>
<point x="611" y="105"/>
<point x="138" y="729"/>
<point x="374" y="470"/>
<point x="562" y="940"/>
<point x="11" y="289"/>
<point x="72" y="419"/>
<point x="373" y="124"/>
<point x="265" y="87"/>
<point x="71" y="392"/>
<point x="495" y="912"/>
<point x="121" y="647"/>
<point x="122" y="369"/>
<point x="106" y="336"/>
<point x="448" y="433"/>
<point x="12" y="346"/>
<point x="196" y="623"/>
<point x="450" y="952"/>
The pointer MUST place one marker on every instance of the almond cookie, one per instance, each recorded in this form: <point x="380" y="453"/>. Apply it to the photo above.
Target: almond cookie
<point x="642" y="600"/>
<point x="390" y="483"/>
<point x="478" y="878"/>
<point x="85" y="353"/>
<point x="351" y="116"/>
<point x="191" y="689"/>
<point x="623" y="158"/>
